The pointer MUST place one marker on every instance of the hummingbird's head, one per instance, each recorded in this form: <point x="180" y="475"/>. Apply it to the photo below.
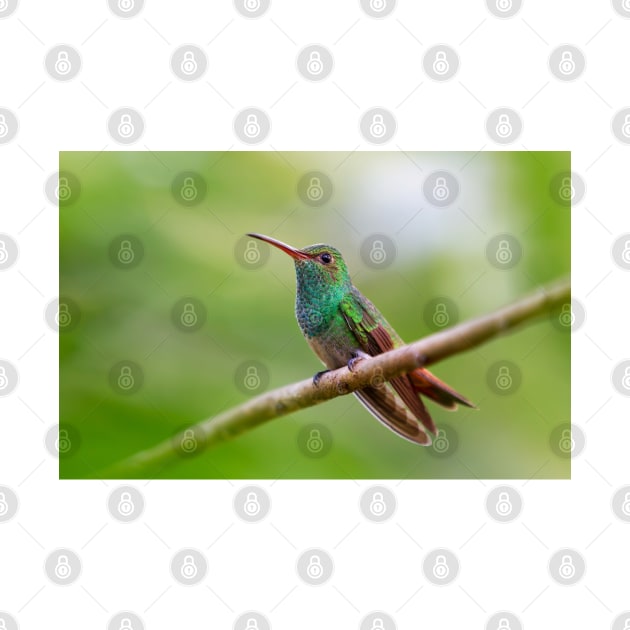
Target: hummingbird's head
<point x="315" y="264"/>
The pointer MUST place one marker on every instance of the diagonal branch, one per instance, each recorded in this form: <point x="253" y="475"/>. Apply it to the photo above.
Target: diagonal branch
<point x="290" y="398"/>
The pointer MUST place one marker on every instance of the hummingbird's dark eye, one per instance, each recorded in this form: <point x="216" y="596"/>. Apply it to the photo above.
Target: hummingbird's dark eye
<point x="326" y="258"/>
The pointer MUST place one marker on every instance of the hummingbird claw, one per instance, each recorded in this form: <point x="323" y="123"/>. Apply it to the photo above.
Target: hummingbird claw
<point x="317" y="376"/>
<point x="357" y="355"/>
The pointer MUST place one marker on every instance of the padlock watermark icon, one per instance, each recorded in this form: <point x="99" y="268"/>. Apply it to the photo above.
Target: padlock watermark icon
<point x="252" y="379"/>
<point x="189" y="65"/>
<point x="62" y="62"/>
<point x="445" y="443"/>
<point x="504" y="378"/>
<point x="126" y="251"/>
<point x="377" y="505"/>
<point x="125" y="504"/>
<point x="441" y="443"/>
<point x="189" y="62"/>
<point x="63" y="570"/>
<point x="252" y="253"/>
<point x="315" y="191"/>
<point x="63" y="566"/>
<point x="126" y="377"/>
<point x="189" y="190"/>
<point x="315" y="443"/>
<point x="315" y="188"/>
<point x="126" y="380"/>
<point x="504" y="253"/>
<point x="63" y="192"/>
<point x="440" y="566"/>
<point x="441" y="317"/>
<point x="188" y="314"/>
<point x="125" y="125"/>
<point x="567" y="63"/>
<point x="440" y="63"/>
<point x="188" y="442"/>
<point x="504" y="505"/>
<point x="377" y="125"/>
<point x="252" y="126"/>
<point x="314" y="566"/>
<point x="567" y="440"/>
<point x="189" y="317"/>
<point x="63" y="65"/>
<point x="504" y="5"/>
<point x="126" y="255"/>
<point x="315" y="64"/>
<point x="252" y="504"/>
<point x="63" y="443"/>
<point x="441" y="569"/>
<point x="378" y="255"/>
<point x="314" y="569"/>
<point x="126" y="128"/>
<point x="189" y="568"/>
<point x="440" y="189"/>
<point x="504" y="127"/>
<point x="378" y="129"/>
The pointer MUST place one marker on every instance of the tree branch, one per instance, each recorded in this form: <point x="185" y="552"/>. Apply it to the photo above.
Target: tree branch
<point x="290" y="398"/>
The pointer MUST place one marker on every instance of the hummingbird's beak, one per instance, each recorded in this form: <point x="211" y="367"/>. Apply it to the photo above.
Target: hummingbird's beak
<point x="296" y="254"/>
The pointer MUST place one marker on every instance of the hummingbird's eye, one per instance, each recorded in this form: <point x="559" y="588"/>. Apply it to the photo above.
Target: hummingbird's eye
<point x="326" y="258"/>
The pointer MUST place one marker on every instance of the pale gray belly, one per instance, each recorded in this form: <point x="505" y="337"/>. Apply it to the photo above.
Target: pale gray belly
<point x="333" y="352"/>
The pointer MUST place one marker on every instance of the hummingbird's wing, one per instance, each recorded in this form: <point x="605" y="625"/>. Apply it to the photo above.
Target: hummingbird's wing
<point x="385" y="406"/>
<point x="373" y="338"/>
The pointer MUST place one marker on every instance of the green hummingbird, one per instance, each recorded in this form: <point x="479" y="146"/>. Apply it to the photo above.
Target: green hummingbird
<point x="342" y="326"/>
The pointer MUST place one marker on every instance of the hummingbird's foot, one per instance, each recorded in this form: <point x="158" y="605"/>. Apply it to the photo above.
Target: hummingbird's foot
<point x="357" y="355"/>
<point x="318" y="376"/>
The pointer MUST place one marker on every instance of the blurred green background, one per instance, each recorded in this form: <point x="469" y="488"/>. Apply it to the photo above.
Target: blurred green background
<point x="165" y="310"/>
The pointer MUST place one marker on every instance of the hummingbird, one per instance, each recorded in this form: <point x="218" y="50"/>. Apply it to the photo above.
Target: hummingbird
<point x="342" y="327"/>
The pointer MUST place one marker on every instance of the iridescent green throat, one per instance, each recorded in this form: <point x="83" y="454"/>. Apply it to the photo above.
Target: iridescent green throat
<point x="320" y="289"/>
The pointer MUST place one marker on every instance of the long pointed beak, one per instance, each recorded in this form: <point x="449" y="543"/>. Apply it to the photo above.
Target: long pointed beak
<point x="296" y="254"/>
